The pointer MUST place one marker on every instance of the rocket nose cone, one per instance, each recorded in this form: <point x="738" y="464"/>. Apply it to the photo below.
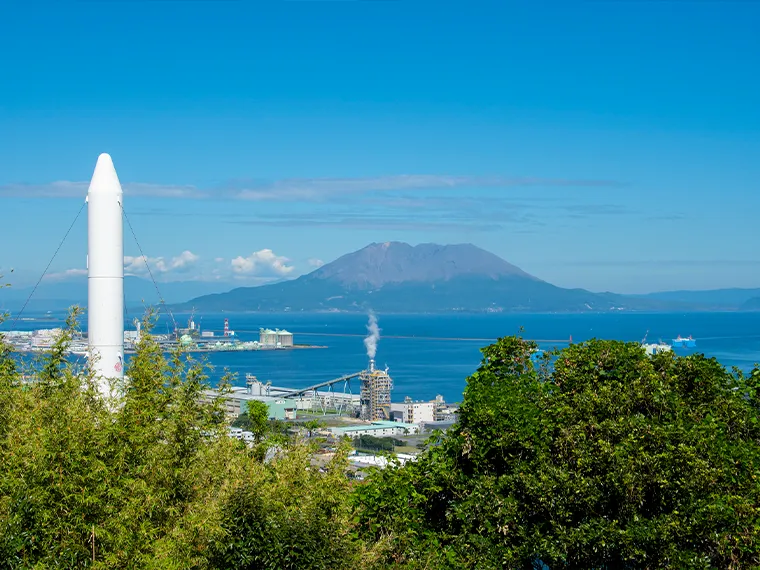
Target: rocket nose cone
<point x="104" y="179"/>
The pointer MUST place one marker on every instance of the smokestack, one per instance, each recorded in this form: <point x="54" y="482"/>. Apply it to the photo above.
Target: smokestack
<point x="105" y="274"/>
<point x="371" y="364"/>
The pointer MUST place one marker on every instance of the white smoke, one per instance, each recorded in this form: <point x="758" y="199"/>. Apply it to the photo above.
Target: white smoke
<point x="374" y="335"/>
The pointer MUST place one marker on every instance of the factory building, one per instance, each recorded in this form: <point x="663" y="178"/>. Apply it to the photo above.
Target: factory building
<point x="375" y="394"/>
<point x="376" y="429"/>
<point x="417" y="412"/>
<point x="45" y="338"/>
<point x="275" y="338"/>
<point x="236" y="403"/>
<point x="413" y="412"/>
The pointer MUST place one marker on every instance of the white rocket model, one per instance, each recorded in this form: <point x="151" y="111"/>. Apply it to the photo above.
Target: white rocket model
<point x="105" y="275"/>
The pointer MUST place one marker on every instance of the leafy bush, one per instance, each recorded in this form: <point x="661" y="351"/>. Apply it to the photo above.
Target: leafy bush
<point x="612" y="459"/>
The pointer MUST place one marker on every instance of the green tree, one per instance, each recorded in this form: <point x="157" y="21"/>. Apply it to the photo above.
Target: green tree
<point x="258" y="418"/>
<point x="255" y="419"/>
<point x="376" y="443"/>
<point x="609" y="459"/>
<point x="312" y="426"/>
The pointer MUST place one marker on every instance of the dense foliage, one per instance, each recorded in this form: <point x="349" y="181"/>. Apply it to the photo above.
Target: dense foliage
<point x="152" y="480"/>
<point x="372" y="443"/>
<point x="606" y="459"/>
<point x="601" y="458"/>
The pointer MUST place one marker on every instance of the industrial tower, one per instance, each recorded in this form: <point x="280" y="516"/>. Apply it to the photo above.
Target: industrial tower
<point x="375" y="395"/>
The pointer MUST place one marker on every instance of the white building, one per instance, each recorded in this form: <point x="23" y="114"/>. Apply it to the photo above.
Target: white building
<point x="45" y="338"/>
<point x="379" y="460"/>
<point x="376" y="429"/>
<point x="417" y="412"/>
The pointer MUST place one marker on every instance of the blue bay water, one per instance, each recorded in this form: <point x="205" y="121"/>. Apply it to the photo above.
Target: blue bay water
<point x="426" y="364"/>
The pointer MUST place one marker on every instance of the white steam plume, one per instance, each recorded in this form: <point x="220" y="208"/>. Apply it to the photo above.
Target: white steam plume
<point x="374" y="335"/>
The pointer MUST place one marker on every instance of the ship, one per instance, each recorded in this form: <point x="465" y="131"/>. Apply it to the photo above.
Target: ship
<point x="682" y="342"/>
<point x="652" y="348"/>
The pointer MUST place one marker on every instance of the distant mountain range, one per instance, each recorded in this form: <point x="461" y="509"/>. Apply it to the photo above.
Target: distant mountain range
<point x="713" y="299"/>
<point x="391" y="277"/>
<point x="138" y="293"/>
<point x="752" y="304"/>
<point x="397" y="277"/>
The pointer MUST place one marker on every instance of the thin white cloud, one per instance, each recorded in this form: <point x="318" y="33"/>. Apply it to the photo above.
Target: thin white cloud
<point x="313" y="262"/>
<point x="59" y="189"/>
<point x="262" y="262"/>
<point x="317" y="189"/>
<point x="64" y="275"/>
<point x="67" y="189"/>
<point x="163" y="190"/>
<point x="300" y="189"/>
<point x="139" y="265"/>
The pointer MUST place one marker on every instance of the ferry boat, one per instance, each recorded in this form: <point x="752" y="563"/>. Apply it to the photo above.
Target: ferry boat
<point x="682" y="342"/>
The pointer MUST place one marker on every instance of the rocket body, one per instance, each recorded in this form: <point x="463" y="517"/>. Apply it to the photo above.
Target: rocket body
<point x="105" y="274"/>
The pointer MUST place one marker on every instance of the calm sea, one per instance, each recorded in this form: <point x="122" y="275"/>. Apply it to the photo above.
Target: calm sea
<point x="440" y="351"/>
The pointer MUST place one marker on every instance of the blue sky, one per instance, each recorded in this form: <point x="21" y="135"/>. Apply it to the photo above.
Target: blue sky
<point x="605" y="145"/>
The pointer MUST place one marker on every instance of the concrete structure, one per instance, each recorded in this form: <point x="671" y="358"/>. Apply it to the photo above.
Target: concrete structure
<point x="375" y="394"/>
<point x="105" y="275"/>
<point x="284" y="338"/>
<point x="415" y="412"/>
<point x="267" y="337"/>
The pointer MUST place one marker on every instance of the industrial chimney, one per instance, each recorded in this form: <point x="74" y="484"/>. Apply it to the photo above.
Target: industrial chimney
<point x="105" y="275"/>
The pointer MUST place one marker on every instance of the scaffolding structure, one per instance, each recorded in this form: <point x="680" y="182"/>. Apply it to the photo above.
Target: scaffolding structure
<point x="375" y="394"/>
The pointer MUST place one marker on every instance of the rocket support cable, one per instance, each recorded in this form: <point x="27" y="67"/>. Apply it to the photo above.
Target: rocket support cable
<point x="29" y="298"/>
<point x="147" y="266"/>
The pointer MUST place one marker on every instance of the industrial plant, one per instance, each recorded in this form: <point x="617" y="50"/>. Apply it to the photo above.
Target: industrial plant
<point x="368" y="412"/>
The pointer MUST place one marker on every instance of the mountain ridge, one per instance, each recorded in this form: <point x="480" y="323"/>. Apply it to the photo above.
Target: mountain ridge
<point x="392" y="277"/>
<point x="398" y="277"/>
<point x="379" y="264"/>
